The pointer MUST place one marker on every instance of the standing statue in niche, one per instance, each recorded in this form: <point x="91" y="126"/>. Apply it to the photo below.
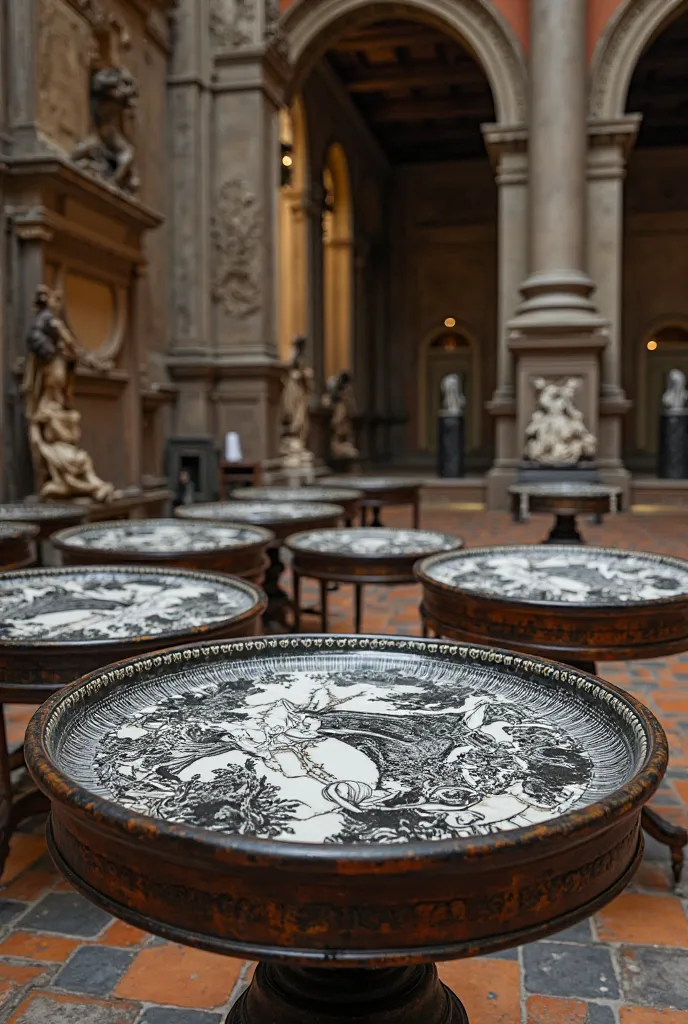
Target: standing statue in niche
<point x="453" y="398"/>
<point x="107" y="153"/>
<point x="341" y="401"/>
<point x="674" y="398"/>
<point x="296" y="394"/>
<point x="556" y="434"/>
<point x="64" y="469"/>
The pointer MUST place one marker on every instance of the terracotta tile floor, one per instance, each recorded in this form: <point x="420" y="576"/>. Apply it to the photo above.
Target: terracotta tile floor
<point x="64" y="961"/>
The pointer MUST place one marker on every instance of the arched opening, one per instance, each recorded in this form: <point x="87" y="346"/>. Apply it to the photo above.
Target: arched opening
<point x="448" y="350"/>
<point x="402" y="92"/>
<point x="655" y="253"/>
<point x="337" y="242"/>
<point x="293" y="228"/>
<point x="664" y="348"/>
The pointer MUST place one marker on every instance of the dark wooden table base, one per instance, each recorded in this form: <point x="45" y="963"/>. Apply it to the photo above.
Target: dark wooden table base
<point x="564" y="531"/>
<point x="393" y="995"/>
<point x="328" y="582"/>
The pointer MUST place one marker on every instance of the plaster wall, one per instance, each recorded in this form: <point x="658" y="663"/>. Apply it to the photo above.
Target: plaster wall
<point x="655" y="270"/>
<point x="444" y="264"/>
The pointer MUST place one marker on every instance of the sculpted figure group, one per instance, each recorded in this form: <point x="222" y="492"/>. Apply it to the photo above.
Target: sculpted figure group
<point x="63" y="469"/>
<point x="556" y="434"/>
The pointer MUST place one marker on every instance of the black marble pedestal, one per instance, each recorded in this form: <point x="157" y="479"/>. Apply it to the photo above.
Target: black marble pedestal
<point x="450" y="446"/>
<point x="673" y="446"/>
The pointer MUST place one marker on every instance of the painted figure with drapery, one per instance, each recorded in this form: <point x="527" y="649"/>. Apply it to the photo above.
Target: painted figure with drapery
<point x="63" y="469"/>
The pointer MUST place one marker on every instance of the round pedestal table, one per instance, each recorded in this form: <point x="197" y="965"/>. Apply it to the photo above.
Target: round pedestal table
<point x="18" y="545"/>
<point x="379" y="492"/>
<point x="362" y="555"/>
<point x="565" y="501"/>
<point x="48" y="516"/>
<point x="56" y="624"/>
<point x="282" y="519"/>
<point x="574" y="605"/>
<point x="347" y="811"/>
<point x="236" y="549"/>
<point x="348" y="498"/>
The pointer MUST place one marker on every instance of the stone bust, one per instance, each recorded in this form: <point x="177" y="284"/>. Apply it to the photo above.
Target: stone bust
<point x="674" y="398"/>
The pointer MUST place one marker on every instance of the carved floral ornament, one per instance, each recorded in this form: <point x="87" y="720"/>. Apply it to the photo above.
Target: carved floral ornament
<point x="235" y="24"/>
<point x="236" y="233"/>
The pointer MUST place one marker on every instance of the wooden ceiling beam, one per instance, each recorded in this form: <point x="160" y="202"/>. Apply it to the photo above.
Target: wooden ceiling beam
<point x="385" y="39"/>
<point x="402" y="111"/>
<point x="413" y="76"/>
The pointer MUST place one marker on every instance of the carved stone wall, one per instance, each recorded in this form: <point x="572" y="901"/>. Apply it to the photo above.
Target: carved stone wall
<point x="77" y="231"/>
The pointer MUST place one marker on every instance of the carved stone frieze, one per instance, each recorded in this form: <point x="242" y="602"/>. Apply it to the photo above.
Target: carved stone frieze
<point x="232" y="23"/>
<point x="236" y="234"/>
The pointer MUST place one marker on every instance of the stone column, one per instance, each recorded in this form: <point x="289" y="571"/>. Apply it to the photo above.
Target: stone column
<point x="557" y="331"/>
<point x="507" y="148"/>
<point x="228" y="82"/>
<point x="557" y="288"/>
<point x="610" y="145"/>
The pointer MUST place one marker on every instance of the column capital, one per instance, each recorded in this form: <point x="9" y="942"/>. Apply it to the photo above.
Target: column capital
<point x="507" y="145"/>
<point x="610" y="144"/>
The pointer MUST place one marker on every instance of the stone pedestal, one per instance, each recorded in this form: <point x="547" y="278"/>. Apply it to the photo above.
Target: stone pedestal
<point x="450" y="446"/>
<point x="673" y="446"/>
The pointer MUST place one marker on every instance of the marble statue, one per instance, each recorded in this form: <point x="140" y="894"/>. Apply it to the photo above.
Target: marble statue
<point x="453" y="398"/>
<point x="340" y="400"/>
<point x="674" y="398"/>
<point x="65" y="470"/>
<point x="556" y="434"/>
<point x="107" y="153"/>
<point x="296" y="394"/>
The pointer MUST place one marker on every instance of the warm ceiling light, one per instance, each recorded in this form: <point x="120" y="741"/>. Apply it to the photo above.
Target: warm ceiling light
<point x="651" y="345"/>
<point x="287" y="160"/>
<point x="450" y="322"/>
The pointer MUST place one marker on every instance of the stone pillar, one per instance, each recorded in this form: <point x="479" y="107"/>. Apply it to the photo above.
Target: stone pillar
<point x="507" y="148"/>
<point x="228" y="82"/>
<point x="610" y="145"/>
<point x="557" y="330"/>
<point x="557" y="288"/>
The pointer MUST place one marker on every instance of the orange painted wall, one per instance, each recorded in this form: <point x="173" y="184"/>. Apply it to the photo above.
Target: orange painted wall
<point x="515" y="12"/>
<point x="599" y="13"/>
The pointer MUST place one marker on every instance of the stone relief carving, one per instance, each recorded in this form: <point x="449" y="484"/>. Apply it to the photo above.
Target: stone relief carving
<point x="674" y="398"/>
<point x="236" y="236"/>
<point x="64" y="44"/>
<point x="556" y="434"/>
<point x="453" y="398"/>
<point x="274" y="33"/>
<point x="107" y="153"/>
<point x="341" y="401"/>
<point x="297" y="387"/>
<point x="232" y="23"/>
<point x="64" y="469"/>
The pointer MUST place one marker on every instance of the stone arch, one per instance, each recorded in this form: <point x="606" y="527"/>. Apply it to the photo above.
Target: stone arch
<point x="634" y="25"/>
<point x="311" y="25"/>
<point x="472" y="384"/>
<point x="648" y="384"/>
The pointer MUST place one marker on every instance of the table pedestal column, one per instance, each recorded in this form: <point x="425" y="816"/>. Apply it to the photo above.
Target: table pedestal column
<point x="393" y="995"/>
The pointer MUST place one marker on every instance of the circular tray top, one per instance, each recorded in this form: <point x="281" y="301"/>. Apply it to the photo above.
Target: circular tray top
<point x="566" y="575"/>
<point x="308" y="743"/>
<point x="10" y="530"/>
<point x="40" y="511"/>
<point x="372" y="483"/>
<point x="565" y="489"/>
<point x="165" y="537"/>
<point x="298" y="494"/>
<point x="100" y="605"/>
<point x="358" y="799"/>
<point x="268" y="513"/>
<point x="374" y="542"/>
